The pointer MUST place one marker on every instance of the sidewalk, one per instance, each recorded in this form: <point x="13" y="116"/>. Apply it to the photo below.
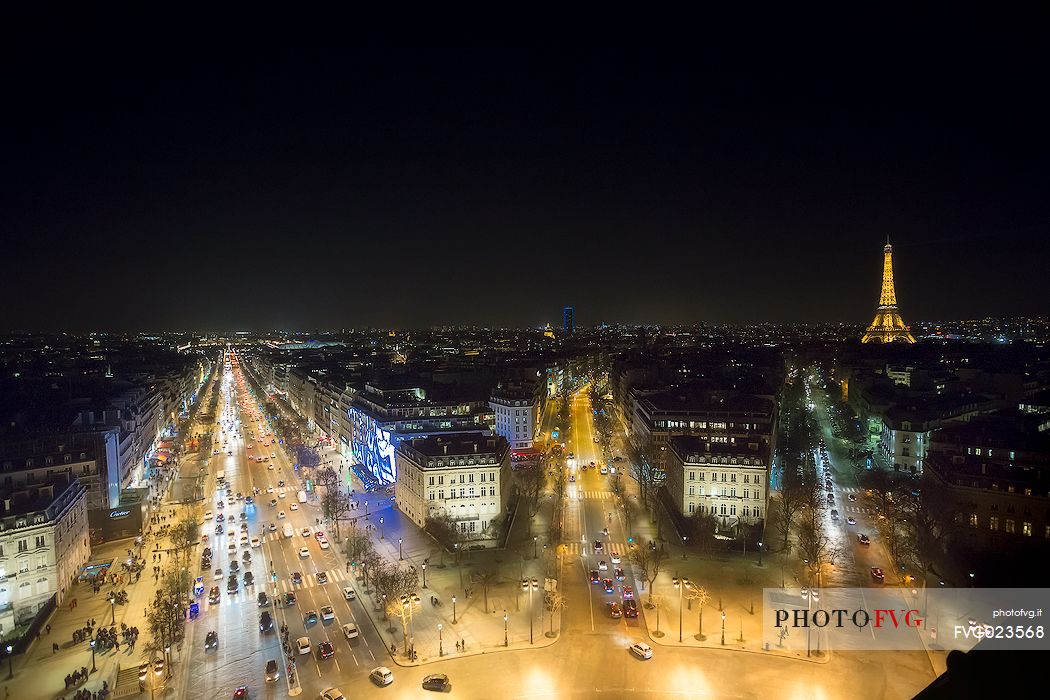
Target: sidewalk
<point x="465" y="621"/>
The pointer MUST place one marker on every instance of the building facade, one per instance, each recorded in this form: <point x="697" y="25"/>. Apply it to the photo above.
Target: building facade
<point x="463" y="476"/>
<point x="43" y="543"/>
<point x="725" y="481"/>
<point x="516" y="414"/>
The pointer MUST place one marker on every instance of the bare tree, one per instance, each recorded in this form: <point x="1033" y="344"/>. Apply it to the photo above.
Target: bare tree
<point x="815" y="546"/>
<point x="646" y="470"/>
<point x="530" y="482"/>
<point x="486" y="578"/>
<point x="404" y="608"/>
<point x="700" y="595"/>
<point x="555" y="603"/>
<point x="443" y="529"/>
<point x="648" y="561"/>
<point x="657" y="601"/>
<point x="335" y="501"/>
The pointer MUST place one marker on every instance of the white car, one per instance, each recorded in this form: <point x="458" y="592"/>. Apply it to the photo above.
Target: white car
<point x="382" y="675"/>
<point x="332" y="694"/>
<point x="304" y="553"/>
<point x="306" y="532"/>
<point x="269" y="489"/>
<point x="324" y="544"/>
<point x="642" y="650"/>
<point x="602" y="566"/>
<point x="207" y="515"/>
<point x="350" y="630"/>
<point x="294" y="506"/>
<point x="282" y="494"/>
<point x="231" y="547"/>
<point x="280" y="515"/>
<point x="327" y="613"/>
<point x="303" y="645"/>
<point x="273" y="455"/>
<point x="270" y="467"/>
<point x="256" y="543"/>
<point x="616" y="559"/>
<point x="349" y="594"/>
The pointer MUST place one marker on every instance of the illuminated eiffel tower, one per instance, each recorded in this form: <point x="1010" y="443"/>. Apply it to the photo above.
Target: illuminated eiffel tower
<point x="888" y="325"/>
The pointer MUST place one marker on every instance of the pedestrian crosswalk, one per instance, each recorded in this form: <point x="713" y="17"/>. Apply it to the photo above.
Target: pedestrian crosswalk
<point x="608" y="548"/>
<point x="335" y="577"/>
<point x="595" y="495"/>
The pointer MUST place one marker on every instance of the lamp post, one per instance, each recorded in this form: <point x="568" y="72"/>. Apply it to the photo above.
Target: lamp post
<point x="93" y="669"/>
<point x="10" y="664"/>
<point x="113" y="610"/>
<point x="723" y="629"/>
<point x="532" y="585"/>
<point x="441" y="644"/>
<point x="453" y="610"/>
<point x="535" y="539"/>
<point x="424" y="565"/>
<point x="685" y="540"/>
<point x="681" y="585"/>
<point x="506" y="639"/>
<point x="760" y="554"/>
<point x="400" y="556"/>
<point x="971" y="579"/>
<point x="381" y="529"/>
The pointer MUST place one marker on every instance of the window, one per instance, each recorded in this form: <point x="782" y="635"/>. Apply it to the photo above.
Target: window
<point x="732" y="492"/>
<point x="723" y="509"/>
<point x="39" y="541"/>
<point x="692" y="476"/>
<point x="973" y="520"/>
<point x="441" y="494"/>
<point x="492" y="490"/>
<point x="692" y="508"/>
<point x="462" y="492"/>
<point x="732" y="509"/>
<point x="692" y="490"/>
<point x="1026" y="529"/>
<point x="993" y="522"/>
<point x="1010" y="529"/>
<point x="23" y="545"/>
<point x="746" y="494"/>
<point x="758" y="512"/>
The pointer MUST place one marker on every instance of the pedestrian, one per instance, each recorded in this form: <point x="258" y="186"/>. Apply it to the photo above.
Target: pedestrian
<point x="48" y="628"/>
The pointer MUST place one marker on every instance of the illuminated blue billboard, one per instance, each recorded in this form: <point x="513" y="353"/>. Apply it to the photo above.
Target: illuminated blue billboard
<point x="373" y="445"/>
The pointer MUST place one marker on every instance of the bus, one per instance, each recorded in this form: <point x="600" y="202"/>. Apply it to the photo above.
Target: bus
<point x="301" y="496"/>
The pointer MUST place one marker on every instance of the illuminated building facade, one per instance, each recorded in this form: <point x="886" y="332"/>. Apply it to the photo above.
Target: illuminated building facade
<point x="888" y="325"/>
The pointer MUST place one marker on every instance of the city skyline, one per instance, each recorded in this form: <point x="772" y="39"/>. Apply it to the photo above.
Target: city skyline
<point x="369" y="189"/>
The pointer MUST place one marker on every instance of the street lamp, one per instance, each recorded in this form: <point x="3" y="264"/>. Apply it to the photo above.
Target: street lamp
<point x="441" y="644"/>
<point x="723" y="629"/>
<point x="400" y="556"/>
<point x="681" y="585"/>
<point x="424" y="574"/>
<point x="381" y="530"/>
<point x="93" y="669"/>
<point x="971" y="579"/>
<point x="506" y="641"/>
<point x="113" y="610"/>
<point x="453" y="610"/>
<point x="760" y="554"/>
<point x="684" y="544"/>
<point x="10" y="667"/>
<point x="534" y="541"/>
<point x="531" y="586"/>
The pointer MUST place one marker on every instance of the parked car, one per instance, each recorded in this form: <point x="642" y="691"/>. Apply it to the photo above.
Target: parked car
<point x="436" y="681"/>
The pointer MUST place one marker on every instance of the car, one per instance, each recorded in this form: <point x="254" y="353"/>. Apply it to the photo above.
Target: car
<point x="642" y="650"/>
<point x="851" y="520"/>
<point x="852" y="497"/>
<point x="256" y="542"/>
<point x="269" y="489"/>
<point x="595" y="577"/>
<point x="217" y="574"/>
<point x="280" y="515"/>
<point x="206" y="552"/>
<point x="309" y="617"/>
<point x="332" y="694"/>
<point x="616" y="559"/>
<point x="325" y="544"/>
<point x="598" y="545"/>
<point x="436" y="681"/>
<point x="263" y="599"/>
<point x="834" y="514"/>
<point x="615" y="611"/>
<point x="877" y="574"/>
<point x="327" y="613"/>
<point x="272" y="527"/>
<point x="265" y="622"/>
<point x="244" y="527"/>
<point x="572" y="477"/>
<point x="211" y="641"/>
<point x="280" y="483"/>
<point x="234" y="566"/>
<point x="213" y="594"/>
<point x="303" y="645"/>
<point x="289" y="599"/>
<point x="304" y="553"/>
<point x="572" y="455"/>
<point x="349" y="594"/>
<point x="305" y="532"/>
<point x="273" y="455"/>
<point x="325" y="650"/>
<point x="207" y="515"/>
<point x="244" y="516"/>
<point x="618" y="574"/>
<point x="231" y="547"/>
<point x="607" y="584"/>
<point x="381" y="675"/>
<point x="603" y="470"/>
<point x="248" y="500"/>
<point x="273" y="502"/>
<point x="293" y="506"/>
<point x="205" y="563"/>
<point x="322" y="577"/>
<point x="273" y="671"/>
<point x="219" y="529"/>
<point x="240" y="496"/>
<point x="628" y="593"/>
<point x="863" y="539"/>
<point x="249" y="578"/>
<point x="232" y="584"/>
<point x="350" y="630"/>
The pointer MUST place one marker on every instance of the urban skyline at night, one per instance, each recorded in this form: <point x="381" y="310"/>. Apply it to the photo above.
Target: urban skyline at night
<point x="361" y="371"/>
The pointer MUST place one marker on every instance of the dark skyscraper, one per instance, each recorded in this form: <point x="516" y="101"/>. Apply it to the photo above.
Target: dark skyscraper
<point x="568" y="315"/>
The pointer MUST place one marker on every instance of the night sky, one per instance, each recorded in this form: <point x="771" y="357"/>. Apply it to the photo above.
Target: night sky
<point x="299" y="190"/>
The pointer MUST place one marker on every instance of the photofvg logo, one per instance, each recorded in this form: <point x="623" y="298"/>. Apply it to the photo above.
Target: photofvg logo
<point x="869" y="619"/>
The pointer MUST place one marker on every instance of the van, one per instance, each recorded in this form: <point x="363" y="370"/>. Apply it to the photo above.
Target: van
<point x="289" y="531"/>
<point x="301" y="496"/>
